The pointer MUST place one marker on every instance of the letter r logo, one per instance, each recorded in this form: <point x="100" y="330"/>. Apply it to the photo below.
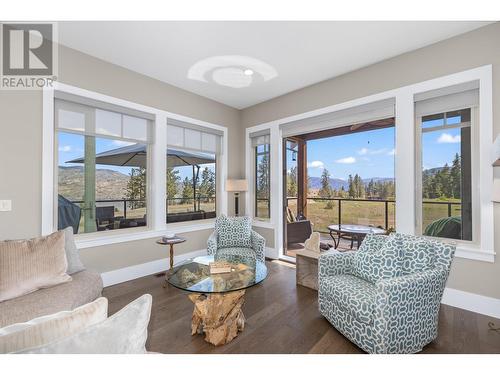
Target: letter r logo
<point x="27" y="49"/>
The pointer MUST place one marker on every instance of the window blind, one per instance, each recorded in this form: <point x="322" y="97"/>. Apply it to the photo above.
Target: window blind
<point x="83" y="119"/>
<point x="184" y="135"/>
<point x="260" y="138"/>
<point x="447" y="103"/>
<point x="364" y="113"/>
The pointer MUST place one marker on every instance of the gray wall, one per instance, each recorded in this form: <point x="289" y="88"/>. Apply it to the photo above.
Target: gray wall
<point x="476" y="48"/>
<point x="21" y="149"/>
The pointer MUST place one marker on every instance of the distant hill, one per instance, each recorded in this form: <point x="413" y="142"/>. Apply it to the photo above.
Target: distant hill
<point x="337" y="183"/>
<point x="109" y="184"/>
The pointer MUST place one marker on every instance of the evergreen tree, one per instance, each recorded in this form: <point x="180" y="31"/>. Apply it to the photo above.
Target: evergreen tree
<point x="207" y="186"/>
<point x="456" y="177"/>
<point x="352" y="188"/>
<point x="263" y="187"/>
<point x="136" y="188"/>
<point x="187" y="190"/>
<point x="173" y="179"/>
<point x="326" y="190"/>
<point x="291" y="182"/>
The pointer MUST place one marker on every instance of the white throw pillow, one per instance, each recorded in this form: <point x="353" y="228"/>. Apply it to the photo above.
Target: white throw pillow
<point x="72" y="256"/>
<point x="49" y="328"/>
<point x="125" y="332"/>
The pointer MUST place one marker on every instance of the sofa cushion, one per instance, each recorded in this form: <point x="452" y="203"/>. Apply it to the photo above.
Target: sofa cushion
<point x="374" y="263"/>
<point x="49" y="328"/>
<point x="125" y="332"/>
<point x="353" y="295"/>
<point x="85" y="287"/>
<point x="29" y="265"/>
<point x="419" y="254"/>
<point x="72" y="256"/>
<point x="236" y="255"/>
<point x="233" y="231"/>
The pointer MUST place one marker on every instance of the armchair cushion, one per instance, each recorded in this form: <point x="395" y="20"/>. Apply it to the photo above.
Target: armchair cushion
<point x="418" y="254"/>
<point x="233" y="231"/>
<point x="375" y="263"/>
<point x="236" y="255"/>
<point x="353" y="295"/>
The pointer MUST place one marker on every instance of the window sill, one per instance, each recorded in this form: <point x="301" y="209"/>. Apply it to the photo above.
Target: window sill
<point x="84" y="241"/>
<point x="474" y="253"/>
<point x="262" y="223"/>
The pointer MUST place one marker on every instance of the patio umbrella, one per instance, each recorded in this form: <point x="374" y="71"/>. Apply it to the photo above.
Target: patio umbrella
<point x="135" y="156"/>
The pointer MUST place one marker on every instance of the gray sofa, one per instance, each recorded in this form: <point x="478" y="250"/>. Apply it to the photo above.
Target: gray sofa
<point x="85" y="287"/>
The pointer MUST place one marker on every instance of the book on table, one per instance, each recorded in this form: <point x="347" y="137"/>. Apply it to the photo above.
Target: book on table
<point x="220" y="267"/>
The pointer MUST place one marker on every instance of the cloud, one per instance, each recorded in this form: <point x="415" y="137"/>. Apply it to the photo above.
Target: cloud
<point x="347" y="160"/>
<point x="378" y="151"/>
<point x="392" y="152"/>
<point x="448" y="138"/>
<point x="363" y="151"/>
<point x="66" y="148"/>
<point x="316" y="164"/>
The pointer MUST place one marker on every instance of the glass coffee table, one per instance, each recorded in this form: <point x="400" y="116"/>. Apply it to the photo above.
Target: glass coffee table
<point x="218" y="298"/>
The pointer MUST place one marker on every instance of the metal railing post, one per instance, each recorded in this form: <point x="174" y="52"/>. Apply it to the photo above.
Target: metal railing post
<point x="386" y="214"/>
<point x="124" y="208"/>
<point x="340" y="211"/>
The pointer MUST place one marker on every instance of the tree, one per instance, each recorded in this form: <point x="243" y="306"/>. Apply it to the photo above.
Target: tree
<point x="291" y="182"/>
<point x="136" y="188"/>
<point x="456" y="177"/>
<point x="352" y="189"/>
<point x="207" y="185"/>
<point x="263" y="178"/>
<point x="173" y="179"/>
<point x="187" y="190"/>
<point x="326" y="190"/>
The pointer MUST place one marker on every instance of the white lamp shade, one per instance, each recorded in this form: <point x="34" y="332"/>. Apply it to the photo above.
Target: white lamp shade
<point x="236" y="185"/>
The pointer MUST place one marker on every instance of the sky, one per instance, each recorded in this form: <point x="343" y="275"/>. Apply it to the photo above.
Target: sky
<point x="371" y="153"/>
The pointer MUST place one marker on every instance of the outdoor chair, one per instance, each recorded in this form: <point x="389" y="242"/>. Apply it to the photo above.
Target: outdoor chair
<point x="385" y="297"/>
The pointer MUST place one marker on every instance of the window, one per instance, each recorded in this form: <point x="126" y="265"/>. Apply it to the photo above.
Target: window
<point x="192" y="153"/>
<point x="101" y="168"/>
<point x="261" y="146"/>
<point x="445" y="203"/>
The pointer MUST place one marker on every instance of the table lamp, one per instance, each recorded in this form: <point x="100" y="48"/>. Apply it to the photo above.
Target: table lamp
<point x="236" y="186"/>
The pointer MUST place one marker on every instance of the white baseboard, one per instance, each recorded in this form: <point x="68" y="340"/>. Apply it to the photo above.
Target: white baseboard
<point x="472" y="302"/>
<point x="271" y="253"/>
<point x="144" y="269"/>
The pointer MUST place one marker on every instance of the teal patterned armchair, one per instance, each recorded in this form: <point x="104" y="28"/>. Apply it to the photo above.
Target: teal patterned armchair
<point x="234" y="240"/>
<point x="385" y="297"/>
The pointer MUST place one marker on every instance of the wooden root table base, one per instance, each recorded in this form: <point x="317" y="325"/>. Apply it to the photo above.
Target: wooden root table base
<point x="218" y="315"/>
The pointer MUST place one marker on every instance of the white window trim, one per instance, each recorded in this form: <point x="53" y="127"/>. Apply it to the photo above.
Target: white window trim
<point x="405" y="157"/>
<point x="157" y="189"/>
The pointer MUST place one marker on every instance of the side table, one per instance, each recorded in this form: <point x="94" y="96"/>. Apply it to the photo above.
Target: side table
<point x="171" y="241"/>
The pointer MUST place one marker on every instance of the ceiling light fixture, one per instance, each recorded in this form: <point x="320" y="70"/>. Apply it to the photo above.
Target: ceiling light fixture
<point x="248" y="72"/>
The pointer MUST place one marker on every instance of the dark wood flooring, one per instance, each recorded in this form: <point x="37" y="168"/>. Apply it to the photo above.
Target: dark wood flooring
<point x="282" y="318"/>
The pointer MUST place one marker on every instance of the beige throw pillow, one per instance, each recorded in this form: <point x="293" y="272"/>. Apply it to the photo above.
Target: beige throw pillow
<point x="50" y="328"/>
<point x="125" y="332"/>
<point x="29" y="265"/>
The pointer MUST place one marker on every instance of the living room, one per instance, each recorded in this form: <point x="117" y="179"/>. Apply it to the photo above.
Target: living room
<point x="252" y="194"/>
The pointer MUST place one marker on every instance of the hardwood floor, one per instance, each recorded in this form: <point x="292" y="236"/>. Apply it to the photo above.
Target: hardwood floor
<point x="282" y="318"/>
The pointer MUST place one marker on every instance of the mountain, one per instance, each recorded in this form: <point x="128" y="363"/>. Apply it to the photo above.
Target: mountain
<point x="109" y="184"/>
<point x="337" y="183"/>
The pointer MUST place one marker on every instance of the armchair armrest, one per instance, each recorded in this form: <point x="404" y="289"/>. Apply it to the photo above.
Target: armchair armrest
<point x="258" y="245"/>
<point x="333" y="263"/>
<point x="212" y="244"/>
<point x="408" y="306"/>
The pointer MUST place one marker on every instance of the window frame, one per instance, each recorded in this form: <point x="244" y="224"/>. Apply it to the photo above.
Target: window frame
<point x="474" y="140"/>
<point x="156" y="175"/>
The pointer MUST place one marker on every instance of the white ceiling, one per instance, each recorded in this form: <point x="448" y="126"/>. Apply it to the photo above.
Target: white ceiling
<point x="301" y="53"/>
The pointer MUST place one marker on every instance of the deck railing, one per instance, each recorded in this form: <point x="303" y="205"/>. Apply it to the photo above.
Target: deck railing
<point x="384" y="202"/>
<point x="127" y="203"/>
